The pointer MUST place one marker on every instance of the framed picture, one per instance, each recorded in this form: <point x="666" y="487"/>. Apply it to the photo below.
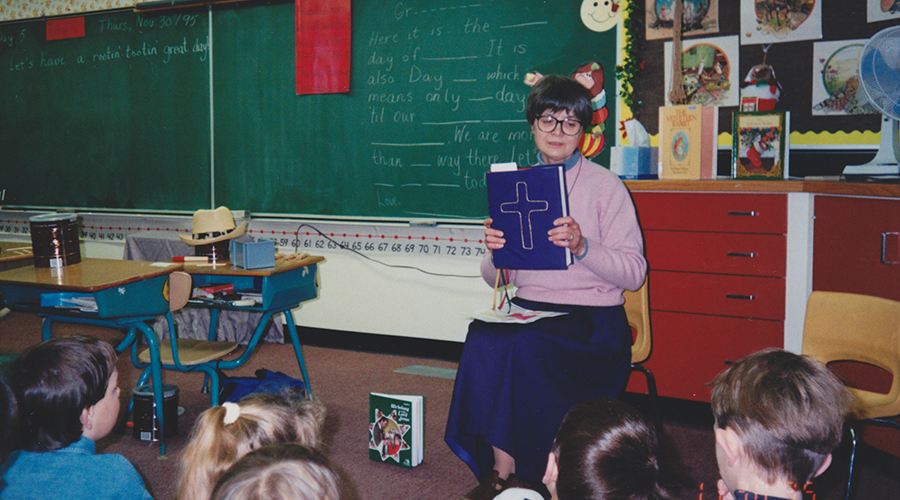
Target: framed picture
<point x="709" y="71"/>
<point x="760" y="145"/>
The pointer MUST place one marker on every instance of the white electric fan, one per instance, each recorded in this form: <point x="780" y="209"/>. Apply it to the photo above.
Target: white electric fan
<point x="879" y="73"/>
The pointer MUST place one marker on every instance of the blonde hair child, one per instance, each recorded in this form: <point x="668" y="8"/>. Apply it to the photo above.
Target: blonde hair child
<point x="279" y="472"/>
<point x="224" y="434"/>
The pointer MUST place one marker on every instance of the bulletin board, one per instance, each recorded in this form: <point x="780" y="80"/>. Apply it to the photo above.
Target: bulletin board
<point x="793" y="63"/>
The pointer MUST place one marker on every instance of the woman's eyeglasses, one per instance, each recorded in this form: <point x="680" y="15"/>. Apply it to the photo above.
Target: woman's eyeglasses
<point x="547" y="124"/>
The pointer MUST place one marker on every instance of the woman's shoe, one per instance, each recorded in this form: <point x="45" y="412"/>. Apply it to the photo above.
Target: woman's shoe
<point x="490" y="487"/>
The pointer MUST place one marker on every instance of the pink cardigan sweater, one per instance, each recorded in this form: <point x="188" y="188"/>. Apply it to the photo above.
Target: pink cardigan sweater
<point x="601" y="204"/>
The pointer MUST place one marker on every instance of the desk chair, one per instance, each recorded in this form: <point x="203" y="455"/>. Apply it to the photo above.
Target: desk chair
<point x="864" y="329"/>
<point x="637" y="309"/>
<point x="186" y="355"/>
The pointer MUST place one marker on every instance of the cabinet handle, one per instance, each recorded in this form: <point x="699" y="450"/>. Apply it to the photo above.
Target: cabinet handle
<point x="742" y="254"/>
<point x="739" y="297"/>
<point x="752" y="213"/>
<point x="890" y="248"/>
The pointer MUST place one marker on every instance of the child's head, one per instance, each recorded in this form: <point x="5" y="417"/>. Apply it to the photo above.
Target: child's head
<point x="605" y="449"/>
<point x="223" y="434"/>
<point x="785" y="411"/>
<point x="65" y="387"/>
<point x="279" y="472"/>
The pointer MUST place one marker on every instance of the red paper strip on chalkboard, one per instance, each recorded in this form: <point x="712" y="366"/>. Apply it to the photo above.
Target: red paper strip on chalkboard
<point x="322" y="37"/>
<point x="70" y="27"/>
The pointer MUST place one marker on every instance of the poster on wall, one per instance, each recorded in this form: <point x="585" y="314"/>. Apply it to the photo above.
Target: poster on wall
<point x="883" y="10"/>
<point x="836" y="88"/>
<point x="709" y="68"/>
<point x="775" y="21"/>
<point x="322" y="53"/>
<point x="699" y="17"/>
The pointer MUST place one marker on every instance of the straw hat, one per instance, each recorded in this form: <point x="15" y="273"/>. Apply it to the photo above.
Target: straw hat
<point x="213" y="226"/>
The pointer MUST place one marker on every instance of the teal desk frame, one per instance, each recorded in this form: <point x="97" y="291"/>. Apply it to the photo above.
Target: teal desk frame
<point x="283" y="288"/>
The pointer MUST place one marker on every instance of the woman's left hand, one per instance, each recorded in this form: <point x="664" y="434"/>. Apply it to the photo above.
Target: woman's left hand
<point x="567" y="233"/>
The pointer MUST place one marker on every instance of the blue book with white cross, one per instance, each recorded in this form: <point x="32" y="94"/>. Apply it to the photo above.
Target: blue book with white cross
<point x="523" y="204"/>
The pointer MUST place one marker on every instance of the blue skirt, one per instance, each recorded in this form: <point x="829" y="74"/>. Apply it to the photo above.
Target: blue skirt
<point x="515" y="383"/>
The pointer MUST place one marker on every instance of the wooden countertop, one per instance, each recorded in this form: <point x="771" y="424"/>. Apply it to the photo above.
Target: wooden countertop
<point x="886" y="190"/>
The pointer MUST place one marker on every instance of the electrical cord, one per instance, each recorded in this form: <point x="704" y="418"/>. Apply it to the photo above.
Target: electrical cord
<point x="296" y="245"/>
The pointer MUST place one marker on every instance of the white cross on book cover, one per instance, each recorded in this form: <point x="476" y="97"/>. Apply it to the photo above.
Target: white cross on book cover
<point x="523" y="204"/>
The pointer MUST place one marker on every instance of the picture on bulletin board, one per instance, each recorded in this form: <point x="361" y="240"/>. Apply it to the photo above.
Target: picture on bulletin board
<point x="709" y="71"/>
<point x="699" y="17"/>
<point x="774" y="21"/>
<point x="883" y="10"/>
<point x="836" y="86"/>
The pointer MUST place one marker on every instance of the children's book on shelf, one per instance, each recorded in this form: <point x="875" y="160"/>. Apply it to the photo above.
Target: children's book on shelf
<point x="760" y="145"/>
<point x="396" y="429"/>
<point x="523" y="203"/>
<point x="688" y="142"/>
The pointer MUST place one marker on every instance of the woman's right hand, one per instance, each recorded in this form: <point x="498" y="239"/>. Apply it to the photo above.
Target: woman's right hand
<point x="493" y="238"/>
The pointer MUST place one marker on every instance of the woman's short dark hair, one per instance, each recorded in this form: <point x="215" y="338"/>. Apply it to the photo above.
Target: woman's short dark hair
<point x="54" y="382"/>
<point x="559" y="93"/>
<point x="607" y="449"/>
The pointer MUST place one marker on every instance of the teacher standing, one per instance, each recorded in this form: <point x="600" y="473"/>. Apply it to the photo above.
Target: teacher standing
<point x="516" y="382"/>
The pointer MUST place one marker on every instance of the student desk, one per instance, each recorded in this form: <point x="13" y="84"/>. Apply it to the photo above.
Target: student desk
<point x="282" y="287"/>
<point x="15" y="254"/>
<point x="128" y="294"/>
<point x="234" y="326"/>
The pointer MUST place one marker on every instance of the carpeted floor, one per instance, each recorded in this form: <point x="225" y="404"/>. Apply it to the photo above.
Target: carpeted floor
<point x="342" y="379"/>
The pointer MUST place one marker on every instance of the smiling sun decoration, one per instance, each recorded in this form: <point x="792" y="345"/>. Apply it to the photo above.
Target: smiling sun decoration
<point x="600" y="15"/>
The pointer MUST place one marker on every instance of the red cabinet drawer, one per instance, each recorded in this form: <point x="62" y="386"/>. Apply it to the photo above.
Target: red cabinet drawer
<point x="716" y="212"/>
<point x="689" y="350"/>
<point x="720" y="253"/>
<point x="719" y="294"/>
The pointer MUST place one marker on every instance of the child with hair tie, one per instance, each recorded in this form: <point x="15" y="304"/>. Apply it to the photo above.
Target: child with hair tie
<point x="224" y="434"/>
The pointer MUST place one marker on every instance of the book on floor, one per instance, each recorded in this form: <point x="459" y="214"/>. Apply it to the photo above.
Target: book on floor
<point x="523" y="204"/>
<point x="396" y="429"/>
<point x="688" y="141"/>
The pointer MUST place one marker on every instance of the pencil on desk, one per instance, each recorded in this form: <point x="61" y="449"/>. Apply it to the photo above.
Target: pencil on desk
<point x="190" y="258"/>
<point x="292" y="256"/>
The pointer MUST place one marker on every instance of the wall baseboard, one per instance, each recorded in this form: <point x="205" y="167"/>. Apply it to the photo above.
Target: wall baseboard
<point x="443" y="350"/>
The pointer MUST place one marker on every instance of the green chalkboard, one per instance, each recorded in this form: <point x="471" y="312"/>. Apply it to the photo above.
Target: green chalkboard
<point x="115" y="117"/>
<point x="436" y="95"/>
<point x="196" y="108"/>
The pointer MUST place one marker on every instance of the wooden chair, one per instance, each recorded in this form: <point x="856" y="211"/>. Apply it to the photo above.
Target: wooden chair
<point x="637" y="308"/>
<point x="863" y="329"/>
<point x="187" y="355"/>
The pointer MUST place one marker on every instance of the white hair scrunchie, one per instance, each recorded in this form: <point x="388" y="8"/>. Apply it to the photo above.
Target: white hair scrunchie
<point x="232" y="412"/>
